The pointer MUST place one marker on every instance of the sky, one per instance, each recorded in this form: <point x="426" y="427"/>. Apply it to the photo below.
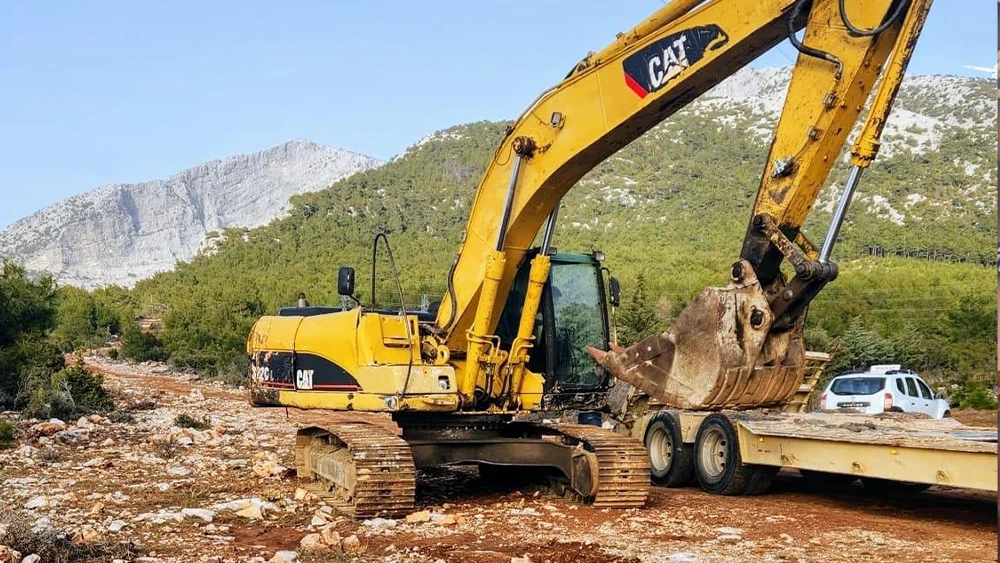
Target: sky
<point x="121" y="91"/>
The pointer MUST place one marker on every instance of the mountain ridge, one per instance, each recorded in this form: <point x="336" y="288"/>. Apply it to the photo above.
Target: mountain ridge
<point x="121" y="232"/>
<point x="937" y="131"/>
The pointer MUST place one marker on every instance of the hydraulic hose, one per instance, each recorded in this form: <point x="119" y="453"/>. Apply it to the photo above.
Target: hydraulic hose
<point x="402" y="305"/>
<point x="801" y="47"/>
<point x="858" y="32"/>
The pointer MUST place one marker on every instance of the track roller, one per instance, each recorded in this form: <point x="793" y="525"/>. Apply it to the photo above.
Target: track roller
<point x="620" y="477"/>
<point x="361" y="469"/>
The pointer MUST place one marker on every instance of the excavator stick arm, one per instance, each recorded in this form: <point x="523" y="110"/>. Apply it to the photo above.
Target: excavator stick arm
<point x="741" y="346"/>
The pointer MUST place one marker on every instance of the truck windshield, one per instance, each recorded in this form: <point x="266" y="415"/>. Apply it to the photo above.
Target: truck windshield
<point x="579" y="322"/>
<point x="858" y="385"/>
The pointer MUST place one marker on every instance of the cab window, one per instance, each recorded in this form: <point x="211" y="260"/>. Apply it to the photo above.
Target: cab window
<point x="911" y="388"/>
<point x="924" y="390"/>
<point x="899" y="385"/>
<point x="579" y="322"/>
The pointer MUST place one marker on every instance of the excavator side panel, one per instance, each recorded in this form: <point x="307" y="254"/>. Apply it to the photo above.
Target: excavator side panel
<point x="351" y="360"/>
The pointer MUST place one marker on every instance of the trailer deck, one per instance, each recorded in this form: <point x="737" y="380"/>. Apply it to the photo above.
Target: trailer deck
<point x="897" y="447"/>
<point x="892" y="446"/>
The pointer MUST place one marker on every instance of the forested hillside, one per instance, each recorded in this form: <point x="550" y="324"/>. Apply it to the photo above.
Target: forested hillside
<point x="669" y="211"/>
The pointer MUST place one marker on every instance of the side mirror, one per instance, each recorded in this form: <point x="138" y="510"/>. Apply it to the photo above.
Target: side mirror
<point x="616" y="292"/>
<point x="345" y="281"/>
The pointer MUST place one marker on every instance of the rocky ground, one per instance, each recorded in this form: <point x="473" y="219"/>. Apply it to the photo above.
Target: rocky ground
<point x="136" y="486"/>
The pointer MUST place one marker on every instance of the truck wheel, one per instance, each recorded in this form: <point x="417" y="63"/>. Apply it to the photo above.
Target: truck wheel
<point x="890" y="487"/>
<point x="718" y="465"/>
<point x="826" y="479"/>
<point x="671" y="461"/>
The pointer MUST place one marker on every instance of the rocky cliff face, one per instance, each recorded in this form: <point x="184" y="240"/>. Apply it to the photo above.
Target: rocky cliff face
<point x="121" y="233"/>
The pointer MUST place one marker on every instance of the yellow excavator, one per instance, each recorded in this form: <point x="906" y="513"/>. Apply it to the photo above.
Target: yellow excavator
<point x="512" y="334"/>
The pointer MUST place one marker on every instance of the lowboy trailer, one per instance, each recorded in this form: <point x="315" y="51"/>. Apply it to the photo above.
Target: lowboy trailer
<point x="740" y="452"/>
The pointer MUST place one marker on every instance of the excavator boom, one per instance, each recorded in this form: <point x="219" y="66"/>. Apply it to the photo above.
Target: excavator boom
<point x="605" y="102"/>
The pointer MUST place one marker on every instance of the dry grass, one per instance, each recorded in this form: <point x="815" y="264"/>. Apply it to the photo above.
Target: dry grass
<point x="185" y="420"/>
<point x="164" y="450"/>
<point x="55" y="547"/>
<point x="50" y="455"/>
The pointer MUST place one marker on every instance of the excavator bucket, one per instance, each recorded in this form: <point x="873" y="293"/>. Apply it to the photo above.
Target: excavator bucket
<point x="719" y="354"/>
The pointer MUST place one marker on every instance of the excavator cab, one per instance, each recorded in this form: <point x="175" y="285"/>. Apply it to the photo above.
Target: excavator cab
<point x="573" y="314"/>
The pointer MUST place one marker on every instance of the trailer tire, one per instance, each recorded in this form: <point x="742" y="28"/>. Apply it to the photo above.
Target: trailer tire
<point x="761" y="479"/>
<point x="890" y="487"/>
<point x="671" y="461"/>
<point x="718" y="465"/>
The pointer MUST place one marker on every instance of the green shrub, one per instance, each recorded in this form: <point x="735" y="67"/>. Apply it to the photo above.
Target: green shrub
<point x="141" y="346"/>
<point x="67" y="394"/>
<point x="37" y="405"/>
<point x="7" y="434"/>
<point x="185" y="420"/>
<point x="87" y="390"/>
<point x="122" y="417"/>
<point x="974" y="395"/>
<point x="113" y="353"/>
<point x="27" y="314"/>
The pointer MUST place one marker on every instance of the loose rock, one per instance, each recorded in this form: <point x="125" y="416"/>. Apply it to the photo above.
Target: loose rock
<point x="313" y="542"/>
<point x="352" y="545"/>
<point x="284" y="557"/>
<point x="37" y="502"/>
<point x="204" y="514"/>
<point x="418" y="517"/>
<point x="330" y="537"/>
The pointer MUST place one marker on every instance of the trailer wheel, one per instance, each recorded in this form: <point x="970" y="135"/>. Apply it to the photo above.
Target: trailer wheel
<point x="671" y="461"/>
<point x="890" y="487"/>
<point x="718" y="465"/>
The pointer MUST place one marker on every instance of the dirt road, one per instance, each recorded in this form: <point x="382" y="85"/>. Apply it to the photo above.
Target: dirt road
<point x="223" y="494"/>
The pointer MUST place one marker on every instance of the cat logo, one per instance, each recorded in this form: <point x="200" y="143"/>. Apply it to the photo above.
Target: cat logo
<point x="304" y="379"/>
<point x="660" y="62"/>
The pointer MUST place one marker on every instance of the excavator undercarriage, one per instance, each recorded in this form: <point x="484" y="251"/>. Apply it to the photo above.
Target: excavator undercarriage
<point x="367" y="470"/>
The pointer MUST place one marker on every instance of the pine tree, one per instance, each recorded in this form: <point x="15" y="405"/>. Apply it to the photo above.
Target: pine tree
<point x="859" y="348"/>
<point x="638" y="316"/>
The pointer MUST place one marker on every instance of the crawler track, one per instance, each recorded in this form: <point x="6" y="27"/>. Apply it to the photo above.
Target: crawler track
<point x="359" y="468"/>
<point x="623" y="465"/>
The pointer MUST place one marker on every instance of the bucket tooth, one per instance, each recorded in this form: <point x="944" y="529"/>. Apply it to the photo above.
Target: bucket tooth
<point x="598" y="354"/>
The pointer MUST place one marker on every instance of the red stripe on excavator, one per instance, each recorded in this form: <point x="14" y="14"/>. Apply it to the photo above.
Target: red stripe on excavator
<point x="639" y="90"/>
